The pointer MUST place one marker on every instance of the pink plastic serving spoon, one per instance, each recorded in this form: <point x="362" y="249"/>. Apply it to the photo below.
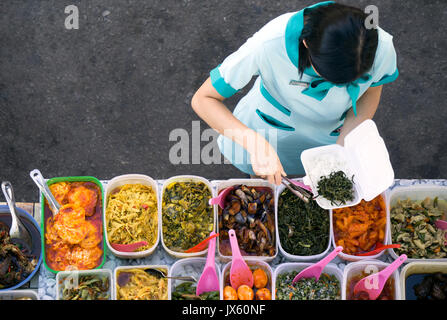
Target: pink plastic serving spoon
<point x="441" y="224"/>
<point x="220" y="199"/>
<point x="315" y="270"/>
<point x="208" y="280"/>
<point x="240" y="273"/>
<point x="373" y="284"/>
<point x="131" y="247"/>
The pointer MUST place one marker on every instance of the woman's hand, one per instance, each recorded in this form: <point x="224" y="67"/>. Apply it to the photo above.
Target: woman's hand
<point x="265" y="161"/>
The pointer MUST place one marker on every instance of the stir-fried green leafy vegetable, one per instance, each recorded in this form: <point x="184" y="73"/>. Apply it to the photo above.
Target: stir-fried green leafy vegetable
<point x="337" y="188"/>
<point x="303" y="227"/>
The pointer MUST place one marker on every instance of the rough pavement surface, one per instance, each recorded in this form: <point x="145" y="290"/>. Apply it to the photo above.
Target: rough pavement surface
<point x="103" y="99"/>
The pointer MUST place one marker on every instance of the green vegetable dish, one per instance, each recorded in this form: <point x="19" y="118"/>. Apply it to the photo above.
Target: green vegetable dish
<point x="327" y="288"/>
<point x="413" y="227"/>
<point x="187" y="216"/>
<point x="89" y="287"/>
<point x="187" y="291"/>
<point x="303" y="227"/>
<point x="337" y="188"/>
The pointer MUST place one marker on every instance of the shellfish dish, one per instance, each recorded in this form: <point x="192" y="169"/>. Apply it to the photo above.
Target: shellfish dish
<point x="250" y="212"/>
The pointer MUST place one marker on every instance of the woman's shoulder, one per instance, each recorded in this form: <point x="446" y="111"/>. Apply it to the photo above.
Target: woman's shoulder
<point x="275" y="29"/>
<point x="385" y="49"/>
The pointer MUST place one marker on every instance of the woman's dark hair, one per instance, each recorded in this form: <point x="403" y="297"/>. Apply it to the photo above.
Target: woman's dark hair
<point x="340" y="47"/>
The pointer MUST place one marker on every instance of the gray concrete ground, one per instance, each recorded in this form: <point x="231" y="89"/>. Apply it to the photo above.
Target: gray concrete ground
<point x="103" y="99"/>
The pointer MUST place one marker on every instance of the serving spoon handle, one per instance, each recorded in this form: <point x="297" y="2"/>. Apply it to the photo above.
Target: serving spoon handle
<point x="40" y="182"/>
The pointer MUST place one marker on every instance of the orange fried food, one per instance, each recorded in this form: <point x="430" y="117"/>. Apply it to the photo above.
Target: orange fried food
<point x="85" y="258"/>
<point x="70" y="224"/>
<point x="60" y="191"/>
<point x="93" y="237"/>
<point x="83" y="197"/>
<point x="359" y="228"/>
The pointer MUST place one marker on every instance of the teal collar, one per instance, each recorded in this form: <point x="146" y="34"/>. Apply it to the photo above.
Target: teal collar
<point x="318" y="87"/>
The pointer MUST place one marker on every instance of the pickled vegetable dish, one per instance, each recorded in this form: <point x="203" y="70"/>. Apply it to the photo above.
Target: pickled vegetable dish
<point x="303" y="227"/>
<point x="250" y="211"/>
<point x="132" y="215"/>
<point x="359" y="228"/>
<point x="73" y="237"/>
<point x="86" y="287"/>
<point x="187" y="216"/>
<point x="327" y="287"/>
<point x="413" y="227"/>
<point x="136" y="284"/>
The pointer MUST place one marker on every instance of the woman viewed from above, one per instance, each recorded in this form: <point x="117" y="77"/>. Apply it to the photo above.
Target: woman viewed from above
<point x="319" y="73"/>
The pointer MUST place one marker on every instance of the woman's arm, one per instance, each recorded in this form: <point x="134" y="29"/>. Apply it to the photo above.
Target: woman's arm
<point x="208" y="104"/>
<point x="366" y="108"/>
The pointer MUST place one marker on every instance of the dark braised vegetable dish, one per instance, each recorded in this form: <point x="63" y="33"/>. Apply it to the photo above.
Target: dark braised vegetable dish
<point x="16" y="264"/>
<point x="428" y="286"/>
<point x="303" y="227"/>
<point x="250" y="212"/>
<point x="187" y="216"/>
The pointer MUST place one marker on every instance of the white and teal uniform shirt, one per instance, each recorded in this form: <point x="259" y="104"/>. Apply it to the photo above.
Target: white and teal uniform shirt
<point x="301" y="112"/>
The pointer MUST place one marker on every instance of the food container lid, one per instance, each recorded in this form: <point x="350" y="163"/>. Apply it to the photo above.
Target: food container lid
<point x="370" y="160"/>
<point x="367" y="158"/>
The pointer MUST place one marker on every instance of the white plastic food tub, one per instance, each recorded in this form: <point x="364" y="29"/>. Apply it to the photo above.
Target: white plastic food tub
<point x="386" y="240"/>
<point x="355" y="268"/>
<point x="123" y="268"/>
<point x="191" y="267"/>
<point x="414" y="192"/>
<point x="366" y="157"/>
<point x="184" y="178"/>
<point x="62" y="275"/>
<point x="17" y="294"/>
<point x="330" y="269"/>
<point x="289" y="256"/>
<point x="223" y="184"/>
<point x="253" y="263"/>
<point x="421" y="268"/>
<point x="132" y="179"/>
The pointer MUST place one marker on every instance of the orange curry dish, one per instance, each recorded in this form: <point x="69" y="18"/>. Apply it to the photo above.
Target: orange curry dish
<point x="73" y="237"/>
<point x="359" y="228"/>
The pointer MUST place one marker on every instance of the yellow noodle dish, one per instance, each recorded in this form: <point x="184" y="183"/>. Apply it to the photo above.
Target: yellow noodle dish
<point x="132" y="215"/>
<point x="141" y="284"/>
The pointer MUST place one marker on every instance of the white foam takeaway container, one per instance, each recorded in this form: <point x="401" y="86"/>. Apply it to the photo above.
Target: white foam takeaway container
<point x="367" y="158"/>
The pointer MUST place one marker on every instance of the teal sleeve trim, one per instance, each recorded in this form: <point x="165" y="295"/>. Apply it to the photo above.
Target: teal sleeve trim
<point x="386" y="79"/>
<point x="224" y="89"/>
<point x="273" y="122"/>
<point x="273" y="101"/>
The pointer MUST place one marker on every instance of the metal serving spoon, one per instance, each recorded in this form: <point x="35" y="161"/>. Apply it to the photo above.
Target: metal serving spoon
<point x="18" y="232"/>
<point x="40" y="182"/>
<point x="124" y="277"/>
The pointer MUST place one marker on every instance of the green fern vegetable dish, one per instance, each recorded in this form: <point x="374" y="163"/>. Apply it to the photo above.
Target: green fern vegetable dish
<point x="303" y="227"/>
<point x="187" y="216"/>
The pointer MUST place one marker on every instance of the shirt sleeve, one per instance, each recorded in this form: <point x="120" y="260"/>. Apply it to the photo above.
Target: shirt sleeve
<point x="237" y="69"/>
<point x="386" y="70"/>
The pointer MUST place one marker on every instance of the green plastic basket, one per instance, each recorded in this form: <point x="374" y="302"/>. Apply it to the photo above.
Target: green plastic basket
<point x="42" y="209"/>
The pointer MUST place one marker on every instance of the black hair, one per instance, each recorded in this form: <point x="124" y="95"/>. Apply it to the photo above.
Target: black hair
<point x="340" y="47"/>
